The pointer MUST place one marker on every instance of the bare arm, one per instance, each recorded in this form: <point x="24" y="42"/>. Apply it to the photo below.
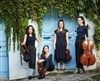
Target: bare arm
<point x="67" y="40"/>
<point x="24" y="41"/>
<point x="38" y="42"/>
<point x="55" y="39"/>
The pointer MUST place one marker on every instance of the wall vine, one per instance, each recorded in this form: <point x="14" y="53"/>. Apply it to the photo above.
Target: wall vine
<point x="16" y="13"/>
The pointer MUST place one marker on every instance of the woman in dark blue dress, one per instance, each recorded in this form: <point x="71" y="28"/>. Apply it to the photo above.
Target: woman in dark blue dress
<point x="82" y="34"/>
<point x="29" y="41"/>
<point x="60" y="44"/>
<point x="46" y="59"/>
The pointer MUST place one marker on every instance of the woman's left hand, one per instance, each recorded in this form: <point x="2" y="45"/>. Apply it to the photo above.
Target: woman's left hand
<point x="88" y="38"/>
<point x="66" y="47"/>
<point x="37" y="47"/>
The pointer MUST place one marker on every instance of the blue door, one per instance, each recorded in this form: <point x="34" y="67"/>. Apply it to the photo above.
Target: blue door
<point x="3" y="52"/>
<point x="49" y="25"/>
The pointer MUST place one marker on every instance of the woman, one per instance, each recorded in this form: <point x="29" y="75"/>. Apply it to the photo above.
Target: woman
<point x="81" y="33"/>
<point x="46" y="59"/>
<point x="29" y="41"/>
<point x="60" y="44"/>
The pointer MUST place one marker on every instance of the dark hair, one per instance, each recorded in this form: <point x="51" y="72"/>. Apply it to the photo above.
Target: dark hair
<point x="43" y="52"/>
<point x="28" y="29"/>
<point x="82" y="19"/>
<point x="63" y="24"/>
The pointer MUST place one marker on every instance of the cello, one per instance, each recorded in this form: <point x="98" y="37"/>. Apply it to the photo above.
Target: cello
<point x="88" y="58"/>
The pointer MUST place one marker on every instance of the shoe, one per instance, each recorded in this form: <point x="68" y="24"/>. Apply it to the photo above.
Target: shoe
<point x="41" y="76"/>
<point x="81" y="71"/>
<point x="30" y="77"/>
<point x="58" y="69"/>
<point x="63" y="69"/>
<point x="77" y="71"/>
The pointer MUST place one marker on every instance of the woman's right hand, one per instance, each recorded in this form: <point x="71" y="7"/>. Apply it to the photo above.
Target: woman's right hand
<point x="40" y="60"/>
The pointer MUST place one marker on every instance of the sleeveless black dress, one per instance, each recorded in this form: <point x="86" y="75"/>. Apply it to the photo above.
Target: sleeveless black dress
<point x="60" y="50"/>
<point x="30" y="43"/>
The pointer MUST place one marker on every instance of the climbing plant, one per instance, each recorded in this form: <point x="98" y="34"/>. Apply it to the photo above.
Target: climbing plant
<point x="16" y="13"/>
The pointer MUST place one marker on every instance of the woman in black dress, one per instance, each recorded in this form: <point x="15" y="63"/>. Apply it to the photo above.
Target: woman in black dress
<point x="46" y="58"/>
<point x="60" y="44"/>
<point x="82" y="34"/>
<point x="29" y="41"/>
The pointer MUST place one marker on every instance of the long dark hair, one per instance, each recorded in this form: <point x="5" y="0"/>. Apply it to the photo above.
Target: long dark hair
<point x="28" y="29"/>
<point x="82" y="19"/>
<point x="63" y="25"/>
<point x="43" y="52"/>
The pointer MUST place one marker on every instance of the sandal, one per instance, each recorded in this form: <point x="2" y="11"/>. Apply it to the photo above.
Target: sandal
<point x="76" y="71"/>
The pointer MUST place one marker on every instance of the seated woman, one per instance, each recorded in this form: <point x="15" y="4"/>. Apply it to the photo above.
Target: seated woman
<point x="45" y="62"/>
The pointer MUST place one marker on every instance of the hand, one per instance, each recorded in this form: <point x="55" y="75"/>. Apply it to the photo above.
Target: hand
<point x="87" y="38"/>
<point x="40" y="61"/>
<point x="23" y="50"/>
<point x="36" y="47"/>
<point x="22" y="44"/>
<point x="66" y="47"/>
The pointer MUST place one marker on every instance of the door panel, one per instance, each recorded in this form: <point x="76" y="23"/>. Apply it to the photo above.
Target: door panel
<point x="3" y="52"/>
<point x="49" y="25"/>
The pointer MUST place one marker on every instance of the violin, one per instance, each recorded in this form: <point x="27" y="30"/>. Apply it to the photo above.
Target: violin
<point x="26" y="55"/>
<point x="88" y="57"/>
<point x="26" y="51"/>
<point x="68" y="56"/>
<point x="41" y="69"/>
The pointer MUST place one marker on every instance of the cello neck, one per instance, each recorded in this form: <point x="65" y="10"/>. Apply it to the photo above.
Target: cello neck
<point x="88" y="27"/>
<point x="88" y="44"/>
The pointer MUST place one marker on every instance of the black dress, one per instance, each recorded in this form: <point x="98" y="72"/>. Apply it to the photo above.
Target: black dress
<point x="60" y="50"/>
<point x="81" y="32"/>
<point x="48" y="64"/>
<point x="30" y="43"/>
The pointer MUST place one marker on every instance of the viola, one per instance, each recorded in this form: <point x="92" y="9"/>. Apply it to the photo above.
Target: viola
<point x="68" y="56"/>
<point x="88" y="57"/>
<point x="41" y="69"/>
<point x="26" y="51"/>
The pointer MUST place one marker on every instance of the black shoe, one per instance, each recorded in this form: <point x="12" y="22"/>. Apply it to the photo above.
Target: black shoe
<point x="41" y="76"/>
<point x="30" y="77"/>
<point x="63" y="69"/>
<point x="58" y="69"/>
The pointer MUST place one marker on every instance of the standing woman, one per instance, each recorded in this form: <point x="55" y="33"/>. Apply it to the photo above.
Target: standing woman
<point x="29" y="41"/>
<point x="60" y="44"/>
<point x="82" y="34"/>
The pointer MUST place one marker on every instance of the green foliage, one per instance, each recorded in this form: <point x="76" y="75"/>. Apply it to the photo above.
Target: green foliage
<point x="16" y="13"/>
<point x="92" y="11"/>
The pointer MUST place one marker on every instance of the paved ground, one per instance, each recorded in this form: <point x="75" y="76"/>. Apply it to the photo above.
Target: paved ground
<point x="67" y="76"/>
